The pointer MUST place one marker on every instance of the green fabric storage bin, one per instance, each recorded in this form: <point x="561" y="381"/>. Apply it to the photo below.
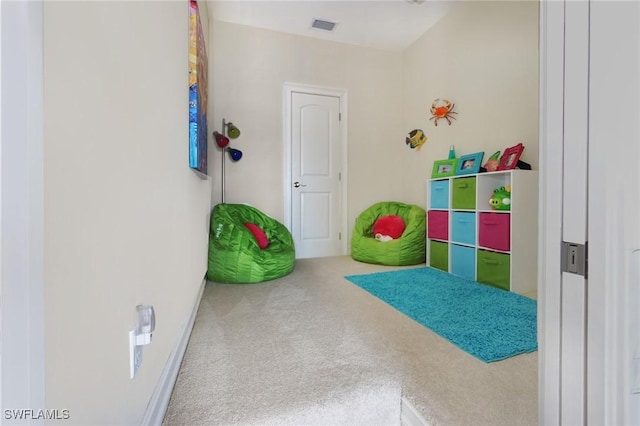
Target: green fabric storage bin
<point x="439" y="255"/>
<point x="494" y="269"/>
<point x="464" y="193"/>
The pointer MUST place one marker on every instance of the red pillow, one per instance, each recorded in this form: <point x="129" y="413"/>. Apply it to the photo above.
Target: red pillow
<point x="391" y="225"/>
<point x="257" y="232"/>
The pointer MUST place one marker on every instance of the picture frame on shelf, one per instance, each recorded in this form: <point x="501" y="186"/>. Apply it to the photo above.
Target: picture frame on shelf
<point x="469" y="164"/>
<point x="510" y="157"/>
<point x="444" y="168"/>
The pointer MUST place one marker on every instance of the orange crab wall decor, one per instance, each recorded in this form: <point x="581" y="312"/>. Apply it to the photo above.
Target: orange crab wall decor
<point x="442" y="108"/>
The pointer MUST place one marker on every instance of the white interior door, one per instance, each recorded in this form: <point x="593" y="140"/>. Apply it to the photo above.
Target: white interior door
<point x="316" y="181"/>
<point x="588" y="334"/>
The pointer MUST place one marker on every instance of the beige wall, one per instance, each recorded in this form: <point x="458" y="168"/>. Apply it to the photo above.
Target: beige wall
<point x="125" y="217"/>
<point x="250" y="67"/>
<point x="483" y="56"/>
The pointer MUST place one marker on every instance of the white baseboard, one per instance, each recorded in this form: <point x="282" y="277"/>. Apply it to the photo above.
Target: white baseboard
<point x="157" y="407"/>
<point x="410" y="416"/>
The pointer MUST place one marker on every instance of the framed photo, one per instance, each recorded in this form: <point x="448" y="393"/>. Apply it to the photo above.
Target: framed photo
<point x="444" y="168"/>
<point x="510" y="157"/>
<point x="468" y="164"/>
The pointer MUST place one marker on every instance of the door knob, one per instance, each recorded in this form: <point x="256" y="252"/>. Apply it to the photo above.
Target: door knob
<point x="298" y="184"/>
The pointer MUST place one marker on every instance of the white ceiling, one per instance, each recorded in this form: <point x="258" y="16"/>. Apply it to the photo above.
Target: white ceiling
<point x="388" y="25"/>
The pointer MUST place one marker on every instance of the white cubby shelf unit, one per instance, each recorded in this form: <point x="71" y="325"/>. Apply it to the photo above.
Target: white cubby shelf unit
<point x="467" y="237"/>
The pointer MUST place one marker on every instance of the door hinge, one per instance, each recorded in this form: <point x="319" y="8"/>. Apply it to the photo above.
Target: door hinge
<point x="340" y="236"/>
<point x="339" y="175"/>
<point x="575" y="258"/>
<point x="339" y="116"/>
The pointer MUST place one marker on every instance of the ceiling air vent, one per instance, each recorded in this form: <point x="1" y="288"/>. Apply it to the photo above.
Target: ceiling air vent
<point x="323" y="25"/>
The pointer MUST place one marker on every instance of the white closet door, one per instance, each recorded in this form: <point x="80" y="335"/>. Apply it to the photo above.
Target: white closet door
<point x="590" y="182"/>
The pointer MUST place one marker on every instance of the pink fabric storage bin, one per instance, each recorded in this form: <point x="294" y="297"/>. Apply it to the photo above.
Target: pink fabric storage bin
<point x="494" y="231"/>
<point x="438" y="225"/>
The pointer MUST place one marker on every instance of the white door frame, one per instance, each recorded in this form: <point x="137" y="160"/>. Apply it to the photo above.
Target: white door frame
<point x="550" y="209"/>
<point x="563" y="211"/>
<point x="22" y="207"/>
<point x="290" y="88"/>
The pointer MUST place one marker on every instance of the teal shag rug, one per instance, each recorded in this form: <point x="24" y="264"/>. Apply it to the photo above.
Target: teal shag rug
<point x="489" y="323"/>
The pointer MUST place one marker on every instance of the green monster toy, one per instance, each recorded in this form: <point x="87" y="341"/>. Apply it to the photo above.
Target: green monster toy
<point x="501" y="198"/>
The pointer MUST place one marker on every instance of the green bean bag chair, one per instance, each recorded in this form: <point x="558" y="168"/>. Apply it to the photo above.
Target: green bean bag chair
<point x="407" y="249"/>
<point x="247" y="246"/>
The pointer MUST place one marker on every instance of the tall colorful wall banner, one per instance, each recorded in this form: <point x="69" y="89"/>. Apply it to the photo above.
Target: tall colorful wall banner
<point x="198" y="89"/>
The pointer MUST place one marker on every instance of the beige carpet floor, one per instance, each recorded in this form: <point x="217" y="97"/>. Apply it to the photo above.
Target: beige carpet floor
<point x="312" y="348"/>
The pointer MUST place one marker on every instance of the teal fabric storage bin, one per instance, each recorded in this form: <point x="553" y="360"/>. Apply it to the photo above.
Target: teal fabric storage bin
<point x="439" y="194"/>
<point x="463" y="261"/>
<point x="463" y="227"/>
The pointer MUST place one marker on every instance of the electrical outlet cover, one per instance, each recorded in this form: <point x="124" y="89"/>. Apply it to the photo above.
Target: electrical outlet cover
<point x="135" y="355"/>
<point x="635" y="378"/>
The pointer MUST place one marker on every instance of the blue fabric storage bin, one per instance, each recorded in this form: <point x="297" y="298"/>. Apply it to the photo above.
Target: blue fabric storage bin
<point x="439" y="194"/>
<point x="463" y="227"/>
<point x="463" y="261"/>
